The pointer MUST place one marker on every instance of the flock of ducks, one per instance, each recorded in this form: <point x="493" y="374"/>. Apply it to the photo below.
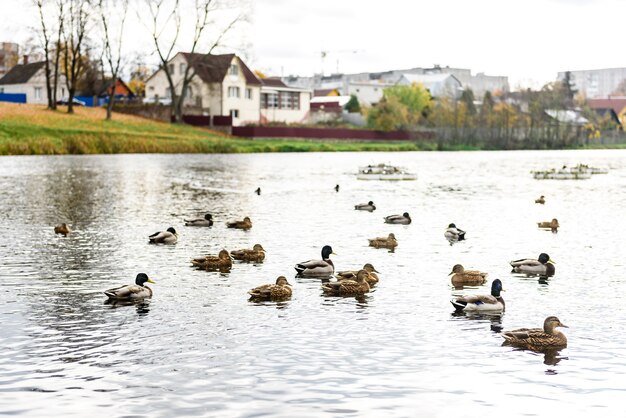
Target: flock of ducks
<point x="360" y="282"/>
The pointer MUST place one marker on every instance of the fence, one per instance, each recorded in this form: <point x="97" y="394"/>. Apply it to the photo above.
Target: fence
<point x="328" y="133"/>
<point x="13" y="97"/>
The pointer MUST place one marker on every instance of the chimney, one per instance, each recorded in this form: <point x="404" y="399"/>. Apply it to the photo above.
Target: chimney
<point x="25" y="59"/>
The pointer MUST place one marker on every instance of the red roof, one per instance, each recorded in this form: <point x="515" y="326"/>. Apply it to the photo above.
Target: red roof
<point x="616" y="104"/>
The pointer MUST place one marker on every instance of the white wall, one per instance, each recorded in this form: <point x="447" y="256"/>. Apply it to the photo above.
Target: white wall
<point x="35" y="89"/>
<point x="290" y="115"/>
<point x="367" y="93"/>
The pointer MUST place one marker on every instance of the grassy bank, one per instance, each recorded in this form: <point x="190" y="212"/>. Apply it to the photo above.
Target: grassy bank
<point x="31" y="129"/>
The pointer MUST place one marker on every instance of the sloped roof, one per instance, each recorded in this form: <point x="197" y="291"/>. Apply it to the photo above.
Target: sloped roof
<point x="20" y="74"/>
<point x="616" y="104"/>
<point x="567" y="116"/>
<point x="273" y="82"/>
<point x="213" y="68"/>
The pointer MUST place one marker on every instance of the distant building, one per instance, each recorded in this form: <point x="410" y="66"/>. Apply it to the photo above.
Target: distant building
<point x="616" y="104"/>
<point x="30" y="79"/>
<point x="9" y="56"/>
<point x="368" y="93"/>
<point x="596" y="84"/>
<point x="280" y="103"/>
<point x="439" y="85"/>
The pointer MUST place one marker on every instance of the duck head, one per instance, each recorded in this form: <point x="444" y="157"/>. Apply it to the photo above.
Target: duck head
<point x="142" y="278"/>
<point x="406" y="215"/>
<point x="282" y="281"/>
<point x="544" y="258"/>
<point x="391" y="236"/>
<point x="258" y="247"/>
<point x="362" y="275"/>
<point x="452" y="226"/>
<point x="223" y="255"/>
<point x="458" y="268"/>
<point x="370" y="203"/>
<point x="552" y="322"/>
<point x="246" y="219"/>
<point x="496" y="288"/>
<point x="326" y="252"/>
<point x="370" y="268"/>
<point x="172" y="230"/>
<point x="208" y="217"/>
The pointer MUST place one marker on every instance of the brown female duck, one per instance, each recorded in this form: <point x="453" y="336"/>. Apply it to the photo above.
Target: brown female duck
<point x="348" y="287"/>
<point x="460" y="276"/>
<point x="256" y="254"/>
<point x="62" y="229"/>
<point x="372" y="277"/>
<point x="382" y="242"/>
<point x="209" y="262"/>
<point x="245" y="224"/>
<point x="552" y="225"/>
<point x="536" y="338"/>
<point x="279" y="291"/>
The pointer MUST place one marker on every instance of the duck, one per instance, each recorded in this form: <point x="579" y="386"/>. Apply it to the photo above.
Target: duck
<point x="63" y="229"/>
<point x="382" y="242"/>
<point x="337" y="188"/>
<point x="542" y="266"/>
<point x="454" y="234"/>
<point x="245" y="224"/>
<point x="541" y="200"/>
<point x="369" y="206"/>
<point x="164" y="237"/>
<point x="206" y="221"/>
<point x="460" y="276"/>
<point x="279" y="291"/>
<point x="132" y="291"/>
<point x="348" y="287"/>
<point x="323" y="267"/>
<point x="257" y="254"/>
<point x="403" y="219"/>
<point x="538" y="339"/>
<point x="372" y="278"/>
<point x="258" y="191"/>
<point x="481" y="303"/>
<point x="552" y="225"/>
<point x="208" y="262"/>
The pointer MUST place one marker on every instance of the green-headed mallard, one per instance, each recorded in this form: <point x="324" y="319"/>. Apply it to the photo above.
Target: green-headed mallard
<point x="245" y="224"/>
<point x="279" y="291"/>
<point x="206" y="221"/>
<point x="63" y="229"/>
<point x="132" y="291"/>
<point x="538" y="339"/>
<point x="256" y="254"/>
<point x="369" y="206"/>
<point x="403" y="219"/>
<point x="454" y="234"/>
<point x="382" y="242"/>
<point x="552" y="225"/>
<point x="372" y="278"/>
<point x="481" y="303"/>
<point x="348" y="287"/>
<point x="543" y="266"/>
<point x="323" y="267"/>
<point x="164" y="237"/>
<point x="541" y="200"/>
<point x="211" y="262"/>
<point x="459" y="276"/>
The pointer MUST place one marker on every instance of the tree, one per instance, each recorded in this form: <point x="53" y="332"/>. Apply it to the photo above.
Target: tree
<point x="74" y="54"/>
<point x="388" y="114"/>
<point x="353" y="105"/>
<point x="113" y="56"/>
<point x="165" y="47"/>
<point x="467" y="97"/>
<point x="569" y="91"/>
<point x="46" y="50"/>
<point x="415" y="97"/>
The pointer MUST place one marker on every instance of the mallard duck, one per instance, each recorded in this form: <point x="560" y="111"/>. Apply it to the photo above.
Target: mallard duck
<point x="222" y="261"/>
<point x="132" y="291"/>
<point x="279" y="291"/>
<point x="538" y="339"/>
<point x="552" y="225"/>
<point x="371" y="279"/>
<point x="62" y="229"/>
<point x="382" y="242"/>
<point x="541" y="200"/>
<point x="257" y="254"/>
<point x="369" y="206"/>
<point x="164" y="237"/>
<point x="323" y="267"/>
<point x="403" y="219"/>
<point x="348" y="287"/>
<point x="258" y="191"/>
<point x="454" y="234"/>
<point x="337" y="188"/>
<point x="245" y="224"/>
<point x="207" y="221"/>
<point x="543" y="266"/>
<point x="481" y="303"/>
<point x="460" y="276"/>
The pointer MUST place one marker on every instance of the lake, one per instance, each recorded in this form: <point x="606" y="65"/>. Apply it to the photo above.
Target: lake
<point x="199" y="347"/>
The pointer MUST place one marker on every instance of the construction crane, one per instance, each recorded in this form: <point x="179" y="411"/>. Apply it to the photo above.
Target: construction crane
<point x="324" y="54"/>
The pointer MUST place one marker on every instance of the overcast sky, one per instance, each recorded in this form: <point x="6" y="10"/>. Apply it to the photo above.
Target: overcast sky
<point x="527" y="40"/>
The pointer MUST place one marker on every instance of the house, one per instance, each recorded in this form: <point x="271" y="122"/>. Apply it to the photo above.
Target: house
<point x="280" y="103"/>
<point x="617" y="104"/>
<point x="439" y="85"/>
<point x="567" y="117"/>
<point x="368" y="93"/>
<point x="30" y="79"/>
<point x="222" y="85"/>
<point x="326" y="92"/>
<point x="596" y="83"/>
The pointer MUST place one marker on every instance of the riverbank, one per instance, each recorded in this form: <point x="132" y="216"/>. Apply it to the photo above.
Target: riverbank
<point x="32" y="130"/>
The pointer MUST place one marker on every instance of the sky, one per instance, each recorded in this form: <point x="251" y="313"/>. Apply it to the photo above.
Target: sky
<point x="527" y="40"/>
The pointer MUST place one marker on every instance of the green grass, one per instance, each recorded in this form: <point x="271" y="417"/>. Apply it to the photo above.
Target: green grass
<point x="33" y="130"/>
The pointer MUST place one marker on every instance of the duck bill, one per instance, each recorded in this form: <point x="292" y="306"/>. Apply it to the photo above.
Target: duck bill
<point x="563" y="325"/>
<point x="150" y="281"/>
<point x="334" y="253"/>
<point x="551" y="261"/>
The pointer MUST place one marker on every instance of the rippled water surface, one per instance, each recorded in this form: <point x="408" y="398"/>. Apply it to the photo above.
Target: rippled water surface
<point x="200" y="348"/>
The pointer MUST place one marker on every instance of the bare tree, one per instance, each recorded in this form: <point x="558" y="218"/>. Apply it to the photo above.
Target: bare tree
<point x="45" y="41"/>
<point x="74" y="32"/>
<point x="165" y="49"/>
<point x="57" y="53"/>
<point x="113" y="58"/>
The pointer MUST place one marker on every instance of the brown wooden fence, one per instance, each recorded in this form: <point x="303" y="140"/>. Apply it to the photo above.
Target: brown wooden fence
<point x="328" y="133"/>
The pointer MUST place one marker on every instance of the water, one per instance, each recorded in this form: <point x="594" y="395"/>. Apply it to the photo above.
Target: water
<point x="200" y="348"/>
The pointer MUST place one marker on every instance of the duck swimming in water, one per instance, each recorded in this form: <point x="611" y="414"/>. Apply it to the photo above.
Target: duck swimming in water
<point x="279" y="291"/>
<point x="459" y="276"/>
<point x="206" y="221"/>
<point x="62" y="229"/>
<point x="403" y="219"/>
<point x="323" y="267"/>
<point x="541" y="200"/>
<point x="245" y="224"/>
<point x="132" y="291"/>
<point x="369" y="206"/>
<point x="492" y="303"/>
<point x="256" y="254"/>
<point x="164" y="237"/>
<point x="538" y="339"/>
<point x="371" y="279"/>
<point x="543" y="266"/>
<point x="454" y="234"/>
<point x="348" y="287"/>
<point x="552" y="225"/>
<point x="211" y="262"/>
<point x="384" y="242"/>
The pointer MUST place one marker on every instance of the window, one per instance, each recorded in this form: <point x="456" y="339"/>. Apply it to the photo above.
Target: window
<point x="37" y="92"/>
<point x="234" y="113"/>
<point x="168" y="92"/>
<point x="1" y="89"/>
<point x="234" y="70"/>
<point x="248" y="93"/>
<point x="62" y="91"/>
<point x="289" y="100"/>
<point x="269" y="101"/>
<point x="183" y="67"/>
<point x="189" y="92"/>
<point x="172" y="68"/>
<point x="233" y="91"/>
<point x="151" y="88"/>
